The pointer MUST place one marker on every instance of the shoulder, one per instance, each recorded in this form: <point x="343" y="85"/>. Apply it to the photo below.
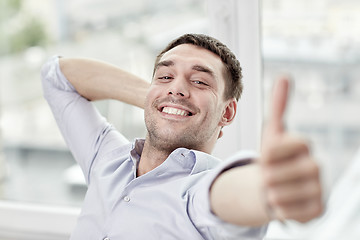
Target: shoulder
<point x="206" y="161"/>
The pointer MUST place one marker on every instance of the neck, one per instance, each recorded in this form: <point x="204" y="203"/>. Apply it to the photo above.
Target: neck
<point x="151" y="158"/>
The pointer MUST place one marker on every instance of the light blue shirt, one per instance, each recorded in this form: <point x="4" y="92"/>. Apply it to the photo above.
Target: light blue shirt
<point x="169" y="202"/>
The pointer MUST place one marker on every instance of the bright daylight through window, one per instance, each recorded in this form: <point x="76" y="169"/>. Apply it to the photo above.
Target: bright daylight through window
<point x="316" y="42"/>
<point x="128" y="34"/>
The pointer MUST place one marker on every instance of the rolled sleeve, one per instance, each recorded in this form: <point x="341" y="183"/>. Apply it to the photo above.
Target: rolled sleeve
<point x="211" y="226"/>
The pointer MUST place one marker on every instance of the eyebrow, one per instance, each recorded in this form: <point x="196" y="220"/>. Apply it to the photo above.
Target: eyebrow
<point x="165" y="64"/>
<point x="199" y="68"/>
<point x="204" y="69"/>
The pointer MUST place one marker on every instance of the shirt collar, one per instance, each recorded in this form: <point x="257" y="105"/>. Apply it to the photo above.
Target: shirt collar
<point x="189" y="160"/>
<point x="136" y="151"/>
<point x="204" y="161"/>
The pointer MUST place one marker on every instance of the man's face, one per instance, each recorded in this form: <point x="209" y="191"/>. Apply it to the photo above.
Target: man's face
<point x="185" y="106"/>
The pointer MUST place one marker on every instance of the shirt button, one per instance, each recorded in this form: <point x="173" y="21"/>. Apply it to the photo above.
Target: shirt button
<point x="126" y="198"/>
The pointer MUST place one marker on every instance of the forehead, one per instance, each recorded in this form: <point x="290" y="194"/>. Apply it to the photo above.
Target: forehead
<point x="192" y="54"/>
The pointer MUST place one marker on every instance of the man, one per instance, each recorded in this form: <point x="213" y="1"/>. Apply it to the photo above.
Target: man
<point x="168" y="186"/>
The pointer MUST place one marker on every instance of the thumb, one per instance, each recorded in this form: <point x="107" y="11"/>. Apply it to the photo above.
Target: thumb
<point x="279" y="101"/>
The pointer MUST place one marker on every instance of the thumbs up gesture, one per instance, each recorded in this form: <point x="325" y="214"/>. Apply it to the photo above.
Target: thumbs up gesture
<point x="290" y="174"/>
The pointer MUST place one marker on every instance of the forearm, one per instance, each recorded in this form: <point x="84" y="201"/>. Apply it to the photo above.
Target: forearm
<point x="237" y="196"/>
<point x="97" y="80"/>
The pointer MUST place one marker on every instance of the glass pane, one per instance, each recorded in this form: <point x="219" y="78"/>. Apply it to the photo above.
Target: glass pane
<point x="318" y="44"/>
<point x="129" y="34"/>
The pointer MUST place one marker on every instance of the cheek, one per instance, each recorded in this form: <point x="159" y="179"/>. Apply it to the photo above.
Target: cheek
<point x="217" y="108"/>
<point x="211" y="106"/>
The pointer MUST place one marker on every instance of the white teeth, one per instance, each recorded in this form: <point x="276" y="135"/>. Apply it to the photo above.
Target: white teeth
<point x="174" y="111"/>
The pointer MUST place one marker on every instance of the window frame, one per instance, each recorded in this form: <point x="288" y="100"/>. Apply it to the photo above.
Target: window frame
<point x="229" y="19"/>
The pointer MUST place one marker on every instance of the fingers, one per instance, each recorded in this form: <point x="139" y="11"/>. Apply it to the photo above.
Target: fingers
<point x="293" y="193"/>
<point x="292" y="181"/>
<point x="298" y="169"/>
<point x="301" y="211"/>
<point x="299" y="201"/>
<point x="278" y="105"/>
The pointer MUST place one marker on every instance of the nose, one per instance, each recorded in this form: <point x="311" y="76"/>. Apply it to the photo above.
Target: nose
<point x="179" y="88"/>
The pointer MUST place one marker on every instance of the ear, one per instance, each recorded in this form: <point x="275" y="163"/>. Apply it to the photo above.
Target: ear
<point x="229" y="112"/>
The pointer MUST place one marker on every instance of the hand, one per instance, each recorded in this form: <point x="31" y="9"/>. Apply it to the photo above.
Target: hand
<point x="291" y="176"/>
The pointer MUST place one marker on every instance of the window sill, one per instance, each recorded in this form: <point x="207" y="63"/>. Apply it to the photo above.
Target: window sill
<point x="31" y="221"/>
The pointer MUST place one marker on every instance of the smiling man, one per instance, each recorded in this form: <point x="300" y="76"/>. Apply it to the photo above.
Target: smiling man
<point x="168" y="186"/>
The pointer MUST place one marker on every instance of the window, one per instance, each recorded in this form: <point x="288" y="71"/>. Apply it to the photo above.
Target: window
<point x="321" y="54"/>
<point x="128" y="34"/>
<point x="318" y="44"/>
<point x="40" y="186"/>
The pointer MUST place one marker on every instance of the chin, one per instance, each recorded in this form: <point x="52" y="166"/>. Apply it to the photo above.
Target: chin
<point x="171" y="141"/>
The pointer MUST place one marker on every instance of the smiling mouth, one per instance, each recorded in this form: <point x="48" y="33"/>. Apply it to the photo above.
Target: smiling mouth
<point x="176" y="111"/>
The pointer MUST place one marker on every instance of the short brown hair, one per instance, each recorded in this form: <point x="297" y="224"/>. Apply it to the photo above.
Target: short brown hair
<point x="233" y="76"/>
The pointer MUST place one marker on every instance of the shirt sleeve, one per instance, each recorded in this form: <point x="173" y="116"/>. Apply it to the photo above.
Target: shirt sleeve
<point x="211" y="226"/>
<point x="81" y="125"/>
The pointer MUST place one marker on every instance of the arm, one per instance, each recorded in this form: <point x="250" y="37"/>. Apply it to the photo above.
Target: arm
<point x="82" y="126"/>
<point x="97" y="80"/>
<point x="282" y="184"/>
<point x="237" y="196"/>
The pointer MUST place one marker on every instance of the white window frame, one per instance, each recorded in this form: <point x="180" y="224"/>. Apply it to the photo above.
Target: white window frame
<point x="237" y="24"/>
<point x="229" y="19"/>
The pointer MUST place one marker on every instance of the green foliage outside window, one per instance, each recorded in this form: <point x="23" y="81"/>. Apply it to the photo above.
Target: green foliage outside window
<point x="30" y="31"/>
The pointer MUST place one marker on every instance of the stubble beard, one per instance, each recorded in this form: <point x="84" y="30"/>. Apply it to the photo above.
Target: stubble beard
<point x="167" y="139"/>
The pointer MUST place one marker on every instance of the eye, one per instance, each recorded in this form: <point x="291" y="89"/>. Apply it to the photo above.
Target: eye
<point x="165" y="77"/>
<point x="200" y="83"/>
